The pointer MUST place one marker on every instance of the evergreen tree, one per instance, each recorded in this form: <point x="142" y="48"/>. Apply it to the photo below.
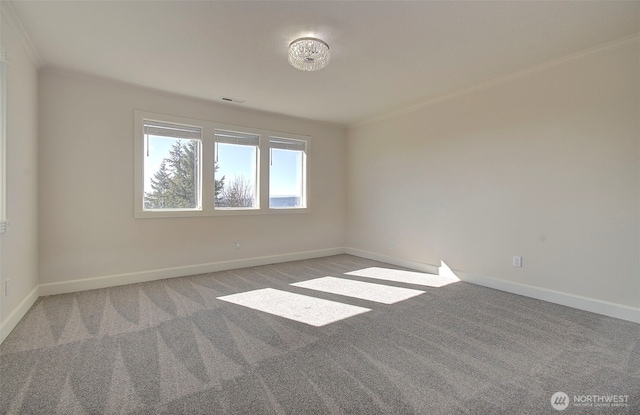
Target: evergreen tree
<point x="183" y="162"/>
<point x="219" y="183"/>
<point x="160" y="184"/>
<point x="174" y="185"/>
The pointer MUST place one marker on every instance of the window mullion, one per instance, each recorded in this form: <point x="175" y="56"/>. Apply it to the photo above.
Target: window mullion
<point x="207" y="169"/>
<point x="264" y="172"/>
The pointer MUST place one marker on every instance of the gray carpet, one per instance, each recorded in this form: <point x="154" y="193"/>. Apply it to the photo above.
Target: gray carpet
<point x="171" y="347"/>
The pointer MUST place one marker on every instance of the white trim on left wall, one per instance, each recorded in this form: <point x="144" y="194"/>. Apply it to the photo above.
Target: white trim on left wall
<point x="14" y="317"/>
<point x="7" y="11"/>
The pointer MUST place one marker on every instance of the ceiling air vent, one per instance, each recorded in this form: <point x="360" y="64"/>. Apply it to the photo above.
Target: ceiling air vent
<point x="237" y="101"/>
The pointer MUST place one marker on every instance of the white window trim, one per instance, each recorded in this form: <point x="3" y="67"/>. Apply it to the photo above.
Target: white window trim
<point x="207" y="165"/>
<point x="258" y="170"/>
<point x="305" y="194"/>
<point x="199" y="195"/>
<point x="4" y="64"/>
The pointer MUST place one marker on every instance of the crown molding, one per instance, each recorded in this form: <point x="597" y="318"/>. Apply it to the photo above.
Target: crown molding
<point x="504" y="79"/>
<point x="11" y="18"/>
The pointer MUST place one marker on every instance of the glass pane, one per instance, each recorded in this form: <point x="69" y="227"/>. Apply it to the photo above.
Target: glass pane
<point x="171" y="173"/>
<point x="286" y="179"/>
<point x="236" y="176"/>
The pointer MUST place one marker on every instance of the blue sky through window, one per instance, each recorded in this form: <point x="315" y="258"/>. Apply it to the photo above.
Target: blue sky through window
<point x="285" y="178"/>
<point x="235" y="161"/>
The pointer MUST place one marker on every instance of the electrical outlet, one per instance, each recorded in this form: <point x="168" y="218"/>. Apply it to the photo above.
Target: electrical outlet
<point x="517" y="261"/>
<point x="237" y="244"/>
<point x="6" y="287"/>
<point x="392" y="242"/>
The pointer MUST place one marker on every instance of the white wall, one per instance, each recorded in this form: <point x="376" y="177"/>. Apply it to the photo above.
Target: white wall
<point x="86" y="205"/>
<point x="19" y="245"/>
<point x="545" y="166"/>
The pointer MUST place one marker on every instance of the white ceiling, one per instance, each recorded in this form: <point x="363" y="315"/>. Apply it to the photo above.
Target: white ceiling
<point x="384" y="55"/>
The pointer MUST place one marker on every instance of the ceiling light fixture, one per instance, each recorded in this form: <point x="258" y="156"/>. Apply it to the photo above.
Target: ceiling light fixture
<point x="308" y="54"/>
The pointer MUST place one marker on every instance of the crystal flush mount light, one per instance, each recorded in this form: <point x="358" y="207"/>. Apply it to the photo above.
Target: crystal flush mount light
<point x="308" y="54"/>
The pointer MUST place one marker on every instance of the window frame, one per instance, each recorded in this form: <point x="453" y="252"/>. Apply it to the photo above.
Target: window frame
<point x="206" y="168"/>
<point x="305" y="146"/>
<point x="257" y="181"/>
<point x="198" y="167"/>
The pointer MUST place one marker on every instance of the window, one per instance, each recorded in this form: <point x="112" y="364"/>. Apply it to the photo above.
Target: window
<point x="287" y="173"/>
<point x="188" y="167"/>
<point x="236" y="170"/>
<point x="171" y="166"/>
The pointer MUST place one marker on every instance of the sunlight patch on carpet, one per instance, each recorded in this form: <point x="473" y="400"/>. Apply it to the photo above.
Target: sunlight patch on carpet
<point x="309" y="310"/>
<point x="359" y="289"/>
<point x="407" y="277"/>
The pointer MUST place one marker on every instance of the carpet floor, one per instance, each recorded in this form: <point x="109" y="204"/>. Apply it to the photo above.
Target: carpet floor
<point x="237" y="342"/>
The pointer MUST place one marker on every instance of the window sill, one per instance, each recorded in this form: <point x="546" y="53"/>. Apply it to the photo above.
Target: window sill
<point x="148" y="214"/>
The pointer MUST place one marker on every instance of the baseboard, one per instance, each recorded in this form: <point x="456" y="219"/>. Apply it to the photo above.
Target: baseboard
<point x="583" y="303"/>
<point x="16" y="315"/>
<point x="606" y="308"/>
<point x="400" y="262"/>
<point x="158" y="274"/>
